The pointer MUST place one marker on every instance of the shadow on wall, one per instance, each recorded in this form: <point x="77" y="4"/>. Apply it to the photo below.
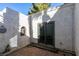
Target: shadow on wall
<point x="63" y="28"/>
<point x="45" y="16"/>
<point x="23" y="39"/>
<point x="12" y="38"/>
<point x="30" y="27"/>
<point x="2" y="39"/>
<point x="11" y="22"/>
<point x="33" y="21"/>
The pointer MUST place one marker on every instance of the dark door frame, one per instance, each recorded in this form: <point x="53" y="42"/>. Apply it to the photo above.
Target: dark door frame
<point x="44" y="37"/>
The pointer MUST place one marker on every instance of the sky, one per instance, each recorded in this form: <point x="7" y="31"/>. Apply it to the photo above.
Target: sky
<point x="22" y="7"/>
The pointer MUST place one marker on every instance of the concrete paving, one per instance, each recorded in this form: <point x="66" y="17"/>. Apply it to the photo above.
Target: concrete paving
<point x="33" y="51"/>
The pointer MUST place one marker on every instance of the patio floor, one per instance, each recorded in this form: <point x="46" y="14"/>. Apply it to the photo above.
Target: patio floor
<point x="34" y="51"/>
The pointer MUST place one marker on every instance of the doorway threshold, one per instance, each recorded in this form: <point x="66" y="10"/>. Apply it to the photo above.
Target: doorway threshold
<point x="44" y="46"/>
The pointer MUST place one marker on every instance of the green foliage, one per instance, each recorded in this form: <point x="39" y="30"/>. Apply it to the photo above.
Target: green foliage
<point x="36" y="7"/>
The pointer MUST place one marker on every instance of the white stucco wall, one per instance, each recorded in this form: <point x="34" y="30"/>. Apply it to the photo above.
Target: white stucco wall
<point x="63" y="26"/>
<point x="9" y="19"/>
<point x="63" y="18"/>
<point x="1" y="17"/>
<point x="2" y="40"/>
<point x="13" y="21"/>
<point x="24" y="21"/>
<point x="76" y="28"/>
<point x="37" y="18"/>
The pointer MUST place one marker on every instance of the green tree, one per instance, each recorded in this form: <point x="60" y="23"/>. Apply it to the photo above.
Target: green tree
<point x="36" y="7"/>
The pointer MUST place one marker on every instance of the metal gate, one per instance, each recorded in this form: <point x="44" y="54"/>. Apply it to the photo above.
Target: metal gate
<point x="47" y="33"/>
